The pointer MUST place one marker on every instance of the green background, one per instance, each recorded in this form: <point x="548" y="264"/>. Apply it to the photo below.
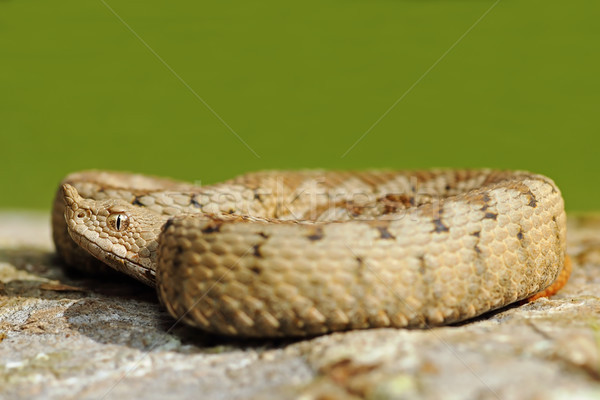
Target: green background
<point x="300" y="84"/>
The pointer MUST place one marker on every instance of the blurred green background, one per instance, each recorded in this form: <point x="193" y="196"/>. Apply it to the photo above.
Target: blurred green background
<point x="300" y="84"/>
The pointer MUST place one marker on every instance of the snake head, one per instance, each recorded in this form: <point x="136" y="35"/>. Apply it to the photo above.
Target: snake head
<point x="122" y="235"/>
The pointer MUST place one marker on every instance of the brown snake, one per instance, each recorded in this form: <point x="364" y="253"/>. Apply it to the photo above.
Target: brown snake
<point x="282" y="253"/>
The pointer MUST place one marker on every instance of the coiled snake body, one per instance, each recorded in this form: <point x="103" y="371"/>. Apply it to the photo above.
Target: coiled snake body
<point x="281" y="253"/>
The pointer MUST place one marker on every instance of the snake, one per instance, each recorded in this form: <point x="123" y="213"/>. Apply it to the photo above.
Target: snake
<point x="309" y="252"/>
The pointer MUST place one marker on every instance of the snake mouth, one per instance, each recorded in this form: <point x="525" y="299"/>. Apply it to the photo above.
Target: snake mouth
<point x="137" y="271"/>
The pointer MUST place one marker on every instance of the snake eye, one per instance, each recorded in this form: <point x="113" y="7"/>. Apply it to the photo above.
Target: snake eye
<point x="118" y="222"/>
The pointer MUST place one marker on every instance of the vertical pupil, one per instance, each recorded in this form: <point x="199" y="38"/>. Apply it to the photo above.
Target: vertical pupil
<point x="118" y="222"/>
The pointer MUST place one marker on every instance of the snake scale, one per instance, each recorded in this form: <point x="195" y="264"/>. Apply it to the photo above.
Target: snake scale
<point x="297" y="253"/>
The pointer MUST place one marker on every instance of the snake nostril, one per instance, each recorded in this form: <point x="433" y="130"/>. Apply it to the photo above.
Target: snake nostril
<point x="80" y="214"/>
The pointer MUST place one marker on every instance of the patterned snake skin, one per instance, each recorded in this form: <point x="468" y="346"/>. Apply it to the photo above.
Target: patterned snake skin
<point x="282" y="253"/>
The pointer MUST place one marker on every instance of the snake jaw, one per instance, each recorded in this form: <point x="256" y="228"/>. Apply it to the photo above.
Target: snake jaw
<point x="136" y="270"/>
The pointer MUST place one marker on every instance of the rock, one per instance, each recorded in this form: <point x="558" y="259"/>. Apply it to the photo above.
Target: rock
<point x="67" y="336"/>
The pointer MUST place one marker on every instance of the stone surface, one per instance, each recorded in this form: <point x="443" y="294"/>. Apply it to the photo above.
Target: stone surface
<point x="67" y="336"/>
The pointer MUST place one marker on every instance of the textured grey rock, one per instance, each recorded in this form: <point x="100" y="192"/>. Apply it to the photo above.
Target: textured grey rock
<point x="76" y="337"/>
